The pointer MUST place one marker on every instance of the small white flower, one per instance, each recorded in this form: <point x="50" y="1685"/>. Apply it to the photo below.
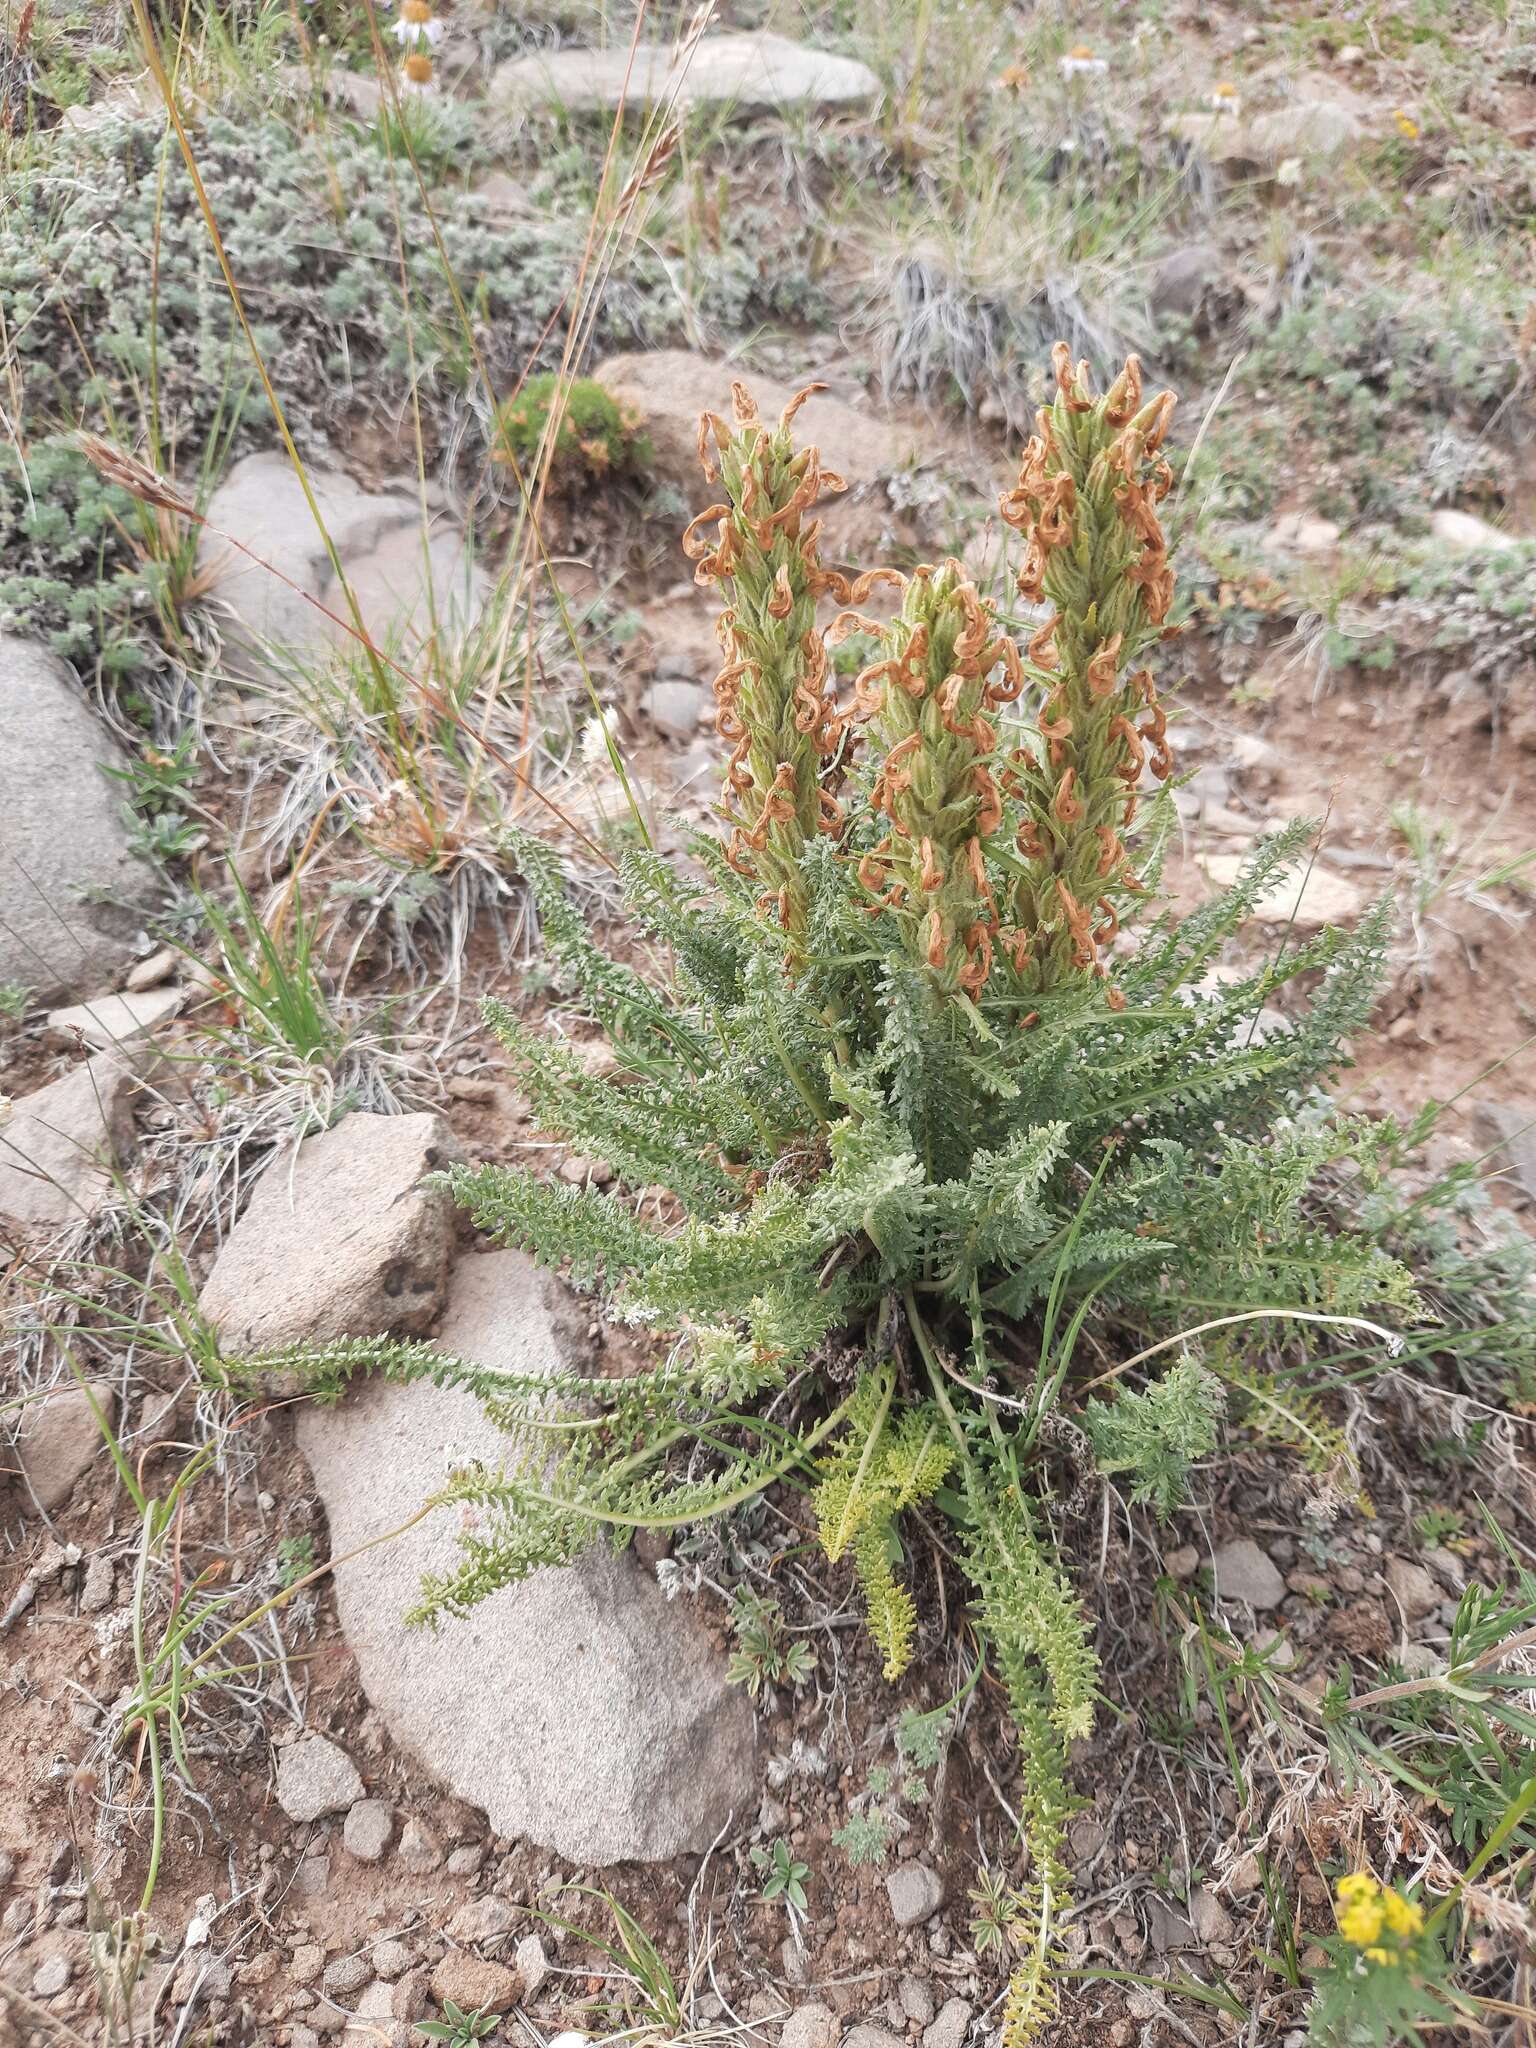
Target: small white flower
<point x="416" y="28"/>
<point x="1289" y="172"/>
<point x="595" y="735"/>
<point x="1078" y="63"/>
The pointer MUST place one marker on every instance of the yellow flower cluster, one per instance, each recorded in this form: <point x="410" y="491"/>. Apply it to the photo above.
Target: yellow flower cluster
<point x="1376" y="1919"/>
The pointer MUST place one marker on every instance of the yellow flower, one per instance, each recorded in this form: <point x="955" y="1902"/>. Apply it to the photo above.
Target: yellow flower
<point x="1226" y="90"/>
<point x="1404" y="1917"/>
<point x="1357" y="1886"/>
<point x="1406" y="125"/>
<point x="1377" y="1955"/>
<point x="1361" y="1925"/>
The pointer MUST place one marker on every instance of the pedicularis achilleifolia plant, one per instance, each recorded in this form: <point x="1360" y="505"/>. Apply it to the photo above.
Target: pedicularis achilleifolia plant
<point x="929" y="1116"/>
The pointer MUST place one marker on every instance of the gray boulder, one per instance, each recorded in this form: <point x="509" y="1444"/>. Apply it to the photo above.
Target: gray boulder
<point x="70" y="889"/>
<point x="62" y="1142"/>
<point x="58" y="1438"/>
<point x="339" y="1239"/>
<point x="1307" y="128"/>
<point x="391" y="563"/>
<point x="745" y="74"/>
<point x="669" y="388"/>
<point x="580" y="1708"/>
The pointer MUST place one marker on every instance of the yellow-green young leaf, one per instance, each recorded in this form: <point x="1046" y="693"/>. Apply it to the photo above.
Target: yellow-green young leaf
<point x="1031" y="2002"/>
<point x="851" y="1489"/>
<point x="892" y="1615"/>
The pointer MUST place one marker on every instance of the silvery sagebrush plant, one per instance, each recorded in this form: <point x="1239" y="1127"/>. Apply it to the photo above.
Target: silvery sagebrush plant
<point x="938" y="1096"/>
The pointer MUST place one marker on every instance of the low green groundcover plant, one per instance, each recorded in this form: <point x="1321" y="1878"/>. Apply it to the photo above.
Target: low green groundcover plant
<point x="597" y="435"/>
<point x="933" y="1120"/>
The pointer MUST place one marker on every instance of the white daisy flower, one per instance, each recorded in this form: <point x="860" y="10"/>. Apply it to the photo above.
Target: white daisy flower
<point x="415" y="27"/>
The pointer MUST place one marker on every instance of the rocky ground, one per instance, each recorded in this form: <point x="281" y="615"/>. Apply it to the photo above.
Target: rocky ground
<point x="249" y="890"/>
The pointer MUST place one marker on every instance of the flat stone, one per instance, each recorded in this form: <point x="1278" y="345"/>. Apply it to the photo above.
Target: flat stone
<point x="410" y="1994"/>
<point x="1219" y="137"/>
<point x="916" y="2000"/>
<point x="117" y="1019"/>
<point x="391" y="1959"/>
<point x="97" y="1588"/>
<point x="482" y="1920"/>
<point x="71" y="889"/>
<point x="532" y="1965"/>
<point x="1465" y="534"/>
<point x="62" y="1141"/>
<point x="346" y="1975"/>
<point x="306" y="1962"/>
<point x="675" y="708"/>
<point x="373" y="2024"/>
<point x="153" y="969"/>
<point x="51" y="1976"/>
<point x="1167" y="1925"/>
<point x="504" y="197"/>
<point x="583" y="1710"/>
<point x="670" y="388"/>
<point x="1317" y="128"/>
<point x="916" y="1893"/>
<point x="1209" y="1917"/>
<point x="1450" y="1569"/>
<point x="1278" y="1648"/>
<point x="745" y="74"/>
<point x="339" y="1239"/>
<point x="1243" y="1573"/>
<point x="201" y="1980"/>
<point x="1189" y="279"/>
<point x="387" y="550"/>
<point x="811" y="2026"/>
<point x="420" y="1850"/>
<point x="368" y="1830"/>
<point x="58" y="1440"/>
<point x="406" y="586"/>
<point x="1303" y="533"/>
<point x="951" y="2025"/>
<point x="1412" y="1587"/>
<point x="868" y="2035"/>
<point x="1509" y="1129"/>
<point x="316" y="1777"/>
<point x="1306" y="900"/>
<point x="1311" y="128"/>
